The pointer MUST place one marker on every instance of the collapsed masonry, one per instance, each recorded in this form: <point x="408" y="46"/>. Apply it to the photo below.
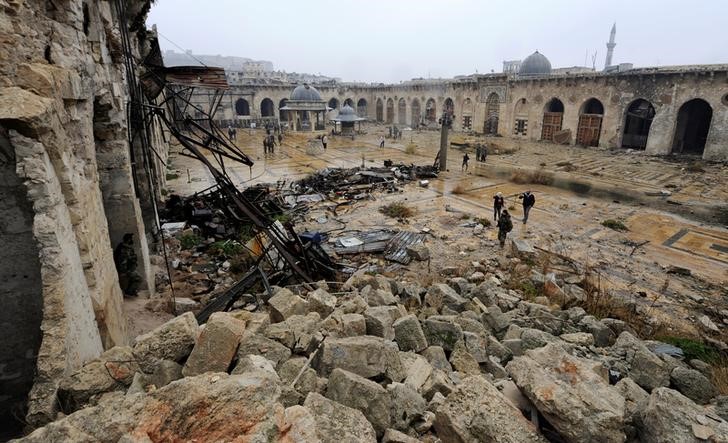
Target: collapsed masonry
<point x="392" y="361"/>
<point x="71" y="185"/>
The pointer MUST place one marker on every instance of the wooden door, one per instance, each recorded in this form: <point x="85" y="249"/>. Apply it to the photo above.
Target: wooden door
<point x="551" y="125"/>
<point x="587" y="133"/>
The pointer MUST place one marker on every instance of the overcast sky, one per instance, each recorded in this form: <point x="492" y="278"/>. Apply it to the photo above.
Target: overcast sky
<point x="394" y="40"/>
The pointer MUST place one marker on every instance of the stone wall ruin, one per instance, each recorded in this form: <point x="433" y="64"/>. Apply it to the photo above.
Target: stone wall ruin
<point x="67" y="190"/>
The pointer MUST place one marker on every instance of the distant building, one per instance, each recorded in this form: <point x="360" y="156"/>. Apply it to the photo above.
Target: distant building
<point x="511" y="66"/>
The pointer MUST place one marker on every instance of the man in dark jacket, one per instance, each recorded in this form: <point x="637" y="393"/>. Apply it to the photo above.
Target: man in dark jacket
<point x="505" y="225"/>
<point x="125" y="260"/>
<point x="528" y="201"/>
<point x="498" y="203"/>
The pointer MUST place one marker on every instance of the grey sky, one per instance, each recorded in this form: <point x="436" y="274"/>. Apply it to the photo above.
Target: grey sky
<point x="393" y="40"/>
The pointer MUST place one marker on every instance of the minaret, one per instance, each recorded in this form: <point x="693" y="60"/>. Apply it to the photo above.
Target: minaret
<point x="610" y="46"/>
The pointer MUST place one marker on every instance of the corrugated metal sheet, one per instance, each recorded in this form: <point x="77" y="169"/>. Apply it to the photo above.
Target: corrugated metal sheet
<point x="396" y="249"/>
<point x="201" y="76"/>
<point x="373" y="241"/>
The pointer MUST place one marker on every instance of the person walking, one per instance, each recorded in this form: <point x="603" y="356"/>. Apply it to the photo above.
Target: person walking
<point x="498" y="203"/>
<point x="125" y="260"/>
<point x="529" y="200"/>
<point x="381" y="142"/>
<point x="477" y="153"/>
<point x="505" y="225"/>
<point x="324" y="141"/>
<point x="280" y="138"/>
<point x="484" y="153"/>
<point x="466" y="158"/>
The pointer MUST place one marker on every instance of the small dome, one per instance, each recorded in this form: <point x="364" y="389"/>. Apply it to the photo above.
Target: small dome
<point x="535" y="64"/>
<point x="305" y="92"/>
<point x="347" y="110"/>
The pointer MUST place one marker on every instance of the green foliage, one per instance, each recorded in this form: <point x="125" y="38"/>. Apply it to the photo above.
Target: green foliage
<point x="229" y="248"/>
<point x="615" y="224"/>
<point x="529" y="290"/>
<point x="189" y="241"/>
<point x="694" y="349"/>
<point x="283" y="218"/>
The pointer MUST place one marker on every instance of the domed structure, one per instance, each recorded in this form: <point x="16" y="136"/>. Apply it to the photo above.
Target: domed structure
<point x="535" y="64"/>
<point x="347" y="113"/>
<point x="305" y="92"/>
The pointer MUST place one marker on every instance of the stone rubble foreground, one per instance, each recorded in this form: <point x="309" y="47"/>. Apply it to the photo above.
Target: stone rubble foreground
<point x="467" y="363"/>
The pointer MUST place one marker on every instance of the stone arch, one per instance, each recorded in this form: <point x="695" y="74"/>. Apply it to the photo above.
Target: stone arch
<point x="492" y="111"/>
<point x="637" y="122"/>
<point x="361" y="107"/>
<point x="430" y="111"/>
<point x="390" y="111"/>
<point x="282" y="113"/>
<point x="333" y="103"/>
<point x="416" y="113"/>
<point x="380" y="110"/>
<point x="402" y="111"/>
<point x="692" y="128"/>
<point x="520" y="114"/>
<point x="553" y="118"/>
<point x="449" y="106"/>
<point x="267" y="108"/>
<point x="590" y="122"/>
<point x="349" y="102"/>
<point x="242" y="107"/>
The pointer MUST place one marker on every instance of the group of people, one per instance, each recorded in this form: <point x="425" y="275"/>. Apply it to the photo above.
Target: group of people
<point x="232" y="133"/>
<point x="503" y="217"/>
<point x="481" y="152"/>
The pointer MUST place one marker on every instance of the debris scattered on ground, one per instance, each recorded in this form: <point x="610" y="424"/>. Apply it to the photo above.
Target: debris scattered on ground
<point x="382" y="358"/>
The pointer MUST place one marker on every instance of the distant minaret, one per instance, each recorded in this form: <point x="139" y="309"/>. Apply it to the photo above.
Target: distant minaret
<point x="610" y="46"/>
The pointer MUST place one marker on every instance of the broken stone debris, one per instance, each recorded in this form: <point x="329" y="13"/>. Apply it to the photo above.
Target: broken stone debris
<point x="358" y="366"/>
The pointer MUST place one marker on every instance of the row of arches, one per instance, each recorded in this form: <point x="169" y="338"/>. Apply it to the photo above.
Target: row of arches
<point x="267" y="107"/>
<point x="361" y="105"/>
<point x="416" y="116"/>
<point x="691" y="130"/>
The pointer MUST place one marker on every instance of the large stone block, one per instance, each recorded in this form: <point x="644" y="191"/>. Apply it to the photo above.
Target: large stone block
<point x="173" y="340"/>
<point x="336" y="423"/>
<point x="284" y="304"/>
<point x="113" y="370"/>
<point x="366" y="356"/>
<point x="644" y="367"/>
<point x="440" y="294"/>
<point x="441" y="330"/>
<point x="357" y="392"/>
<point x="579" y="403"/>
<point x="322" y="302"/>
<point x="407" y="405"/>
<point x="409" y="335"/>
<point x="215" y="349"/>
<point x="208" y="407"/>
<point x="256" y="344"/>
<point x="379" y="320"/>
<point x="477" y="412"/>
<point x="670" y="416"/>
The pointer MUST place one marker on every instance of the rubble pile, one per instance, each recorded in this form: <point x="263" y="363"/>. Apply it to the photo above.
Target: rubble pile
<point x="358" y="183"/>
<point x="392" y="361"/>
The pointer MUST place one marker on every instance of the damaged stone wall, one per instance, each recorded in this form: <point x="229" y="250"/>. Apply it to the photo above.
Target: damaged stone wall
<point x="63" y="112"/>
<point x="667" y="89"/>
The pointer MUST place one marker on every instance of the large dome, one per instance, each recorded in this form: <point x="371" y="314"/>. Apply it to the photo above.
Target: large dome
<point x="306" y="93"/>
<point x="535" y="64"/>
